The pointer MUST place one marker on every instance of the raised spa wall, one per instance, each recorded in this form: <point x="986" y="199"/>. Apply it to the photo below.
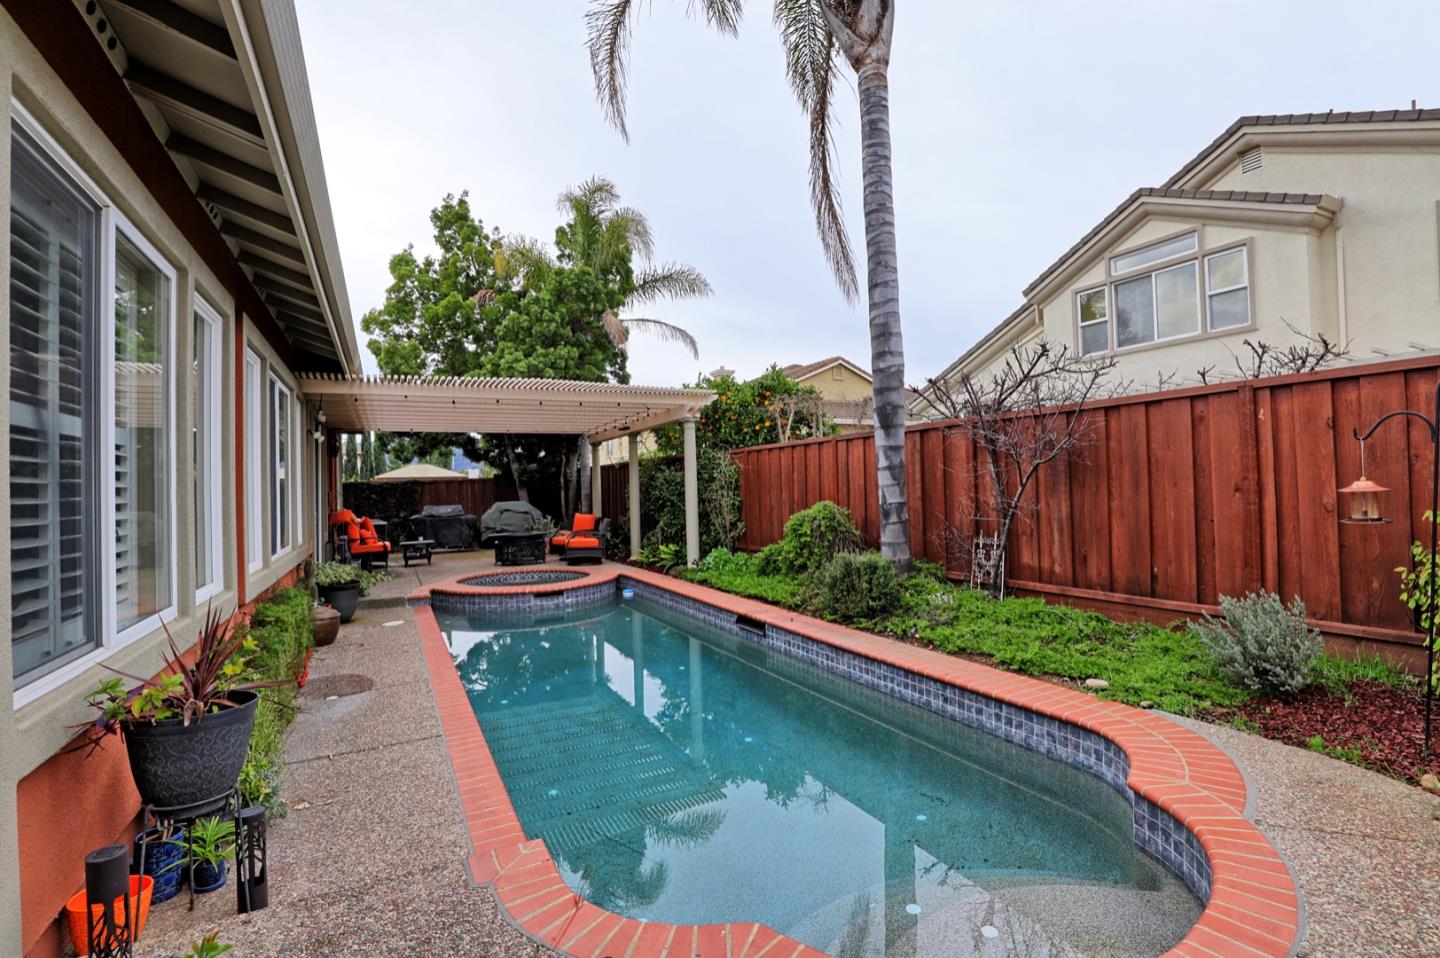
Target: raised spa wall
<point x="1156" y="831"/>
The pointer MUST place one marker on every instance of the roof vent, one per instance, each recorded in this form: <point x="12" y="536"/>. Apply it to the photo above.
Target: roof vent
<point x="1250" y="160"/>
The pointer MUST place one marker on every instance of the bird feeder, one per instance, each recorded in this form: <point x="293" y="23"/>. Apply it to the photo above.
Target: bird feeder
<point x="1363" y="495"/>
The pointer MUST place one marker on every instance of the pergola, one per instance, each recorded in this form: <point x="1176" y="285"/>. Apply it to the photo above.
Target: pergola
<point x="597" y="411"/>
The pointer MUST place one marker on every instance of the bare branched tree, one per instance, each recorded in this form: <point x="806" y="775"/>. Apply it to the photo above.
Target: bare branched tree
<point x="1022" y="416"/>
<point x="1308" y="354"/>
<point x="803" y="410"/>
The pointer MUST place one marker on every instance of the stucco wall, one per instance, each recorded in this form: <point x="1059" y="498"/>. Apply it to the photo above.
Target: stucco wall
<point x="850" y="385"/>
<point x="54" y="809"/>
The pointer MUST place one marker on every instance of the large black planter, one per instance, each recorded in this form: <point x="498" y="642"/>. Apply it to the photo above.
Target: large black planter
<point x="192" y="767"/>
<point x="343" y="598"/>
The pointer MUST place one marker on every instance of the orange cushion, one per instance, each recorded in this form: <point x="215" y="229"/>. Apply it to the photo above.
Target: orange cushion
<point x="365" y="548"/>
<point x="584" y="522"/>
<point x="583" y="542"/>
<point x="340" y="516"/>
<point x="352" y="532"/>
<point x="560" y="538"/>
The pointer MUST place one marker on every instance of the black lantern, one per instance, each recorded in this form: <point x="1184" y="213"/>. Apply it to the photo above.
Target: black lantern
<point x="107" y="884"/>
<point x="252" y="891"/>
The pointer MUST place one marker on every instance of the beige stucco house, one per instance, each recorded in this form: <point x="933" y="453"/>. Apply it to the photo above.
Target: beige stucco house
<point x="1328" y="223"/>
<point x="845" y="389"/>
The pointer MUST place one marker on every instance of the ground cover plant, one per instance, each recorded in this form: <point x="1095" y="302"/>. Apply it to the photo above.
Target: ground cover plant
<point x="282" y="632"/>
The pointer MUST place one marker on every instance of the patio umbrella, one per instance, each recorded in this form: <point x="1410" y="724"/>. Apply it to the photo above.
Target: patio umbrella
<point x="418" y="470"/>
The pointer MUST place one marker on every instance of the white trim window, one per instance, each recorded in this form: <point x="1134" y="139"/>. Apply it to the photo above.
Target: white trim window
<point x="1227" y="288"/>
<point x="205" y="450"/>
<point x="1154" y="253"/>
<point x="56" y="409"/>
<point x="92" y="421"/>
<point x="254" y="466"/>
<point x="144" y="501"/>
<point x="1092" y="307"/>
<point x="1155" y="306"/>
<point x="282" y="457"/>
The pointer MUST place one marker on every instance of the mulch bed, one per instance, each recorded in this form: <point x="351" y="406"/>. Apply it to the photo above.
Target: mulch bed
<point x="1383" y="723"/>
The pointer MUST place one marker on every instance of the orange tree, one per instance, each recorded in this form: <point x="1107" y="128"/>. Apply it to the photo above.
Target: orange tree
<point x="746" y="413"/>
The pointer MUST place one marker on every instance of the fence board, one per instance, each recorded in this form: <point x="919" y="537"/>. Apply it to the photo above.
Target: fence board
<point x="1176" y="498"/>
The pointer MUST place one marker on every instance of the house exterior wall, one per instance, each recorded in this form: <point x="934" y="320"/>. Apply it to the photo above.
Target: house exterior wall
<point x="56" y="807"/>
<point x="1369" y="277"/>
<point x="849" y="385"/>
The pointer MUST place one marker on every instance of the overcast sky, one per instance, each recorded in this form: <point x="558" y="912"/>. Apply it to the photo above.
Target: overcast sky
<point x="1016" y="127"/>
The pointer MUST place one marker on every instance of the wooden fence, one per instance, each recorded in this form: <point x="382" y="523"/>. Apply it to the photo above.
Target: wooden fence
<point x="1176" y="499"/>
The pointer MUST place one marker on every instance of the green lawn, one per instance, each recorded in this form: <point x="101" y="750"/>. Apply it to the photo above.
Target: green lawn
<point x="1171" y="669"/>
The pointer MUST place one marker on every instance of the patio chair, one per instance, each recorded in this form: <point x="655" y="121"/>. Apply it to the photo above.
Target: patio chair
<point x="583" y="523"/>
<point x="587" y="546"/>
<point x="360" y="540"/>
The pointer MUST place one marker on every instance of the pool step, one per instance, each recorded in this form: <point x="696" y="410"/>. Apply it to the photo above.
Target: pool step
<point x="582" y="770"/>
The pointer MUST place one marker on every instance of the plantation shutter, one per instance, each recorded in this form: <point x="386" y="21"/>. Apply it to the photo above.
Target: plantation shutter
<point x="54" y="253"/>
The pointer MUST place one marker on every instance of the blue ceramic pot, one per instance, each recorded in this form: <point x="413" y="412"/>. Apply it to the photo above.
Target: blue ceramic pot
<point x="164" y="861"/>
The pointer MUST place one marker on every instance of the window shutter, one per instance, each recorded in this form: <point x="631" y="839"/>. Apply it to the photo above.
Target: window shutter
<point x="53" y="251"/>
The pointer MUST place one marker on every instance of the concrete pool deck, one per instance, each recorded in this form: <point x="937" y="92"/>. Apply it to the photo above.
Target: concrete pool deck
<point x="372" y="858"/>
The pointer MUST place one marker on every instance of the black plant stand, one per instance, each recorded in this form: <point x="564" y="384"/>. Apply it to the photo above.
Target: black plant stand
<point x="156" y="816"/>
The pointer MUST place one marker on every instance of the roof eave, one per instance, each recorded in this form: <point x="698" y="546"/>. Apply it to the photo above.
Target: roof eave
<point x="274" y="64"/>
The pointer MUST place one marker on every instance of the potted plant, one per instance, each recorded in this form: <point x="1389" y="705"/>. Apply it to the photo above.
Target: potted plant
<point x="163" y="849"/>
<point x="326" y="622"/>
<point x="212" y="842"/>
<point x="186" y="731"/>
<point x="339" y="586"/>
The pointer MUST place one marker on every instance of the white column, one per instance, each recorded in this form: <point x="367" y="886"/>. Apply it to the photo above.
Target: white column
<point x="692" y="497"/>
<point x="596" y="506"/>
<point x="634" y="496"/>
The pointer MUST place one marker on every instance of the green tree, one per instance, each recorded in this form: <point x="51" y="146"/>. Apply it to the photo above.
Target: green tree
<point x="462" y="313"/>
<point x="816" y="35"/>
<point x="745" y="413"/>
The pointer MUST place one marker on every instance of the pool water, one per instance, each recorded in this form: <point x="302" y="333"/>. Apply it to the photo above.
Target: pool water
<point x="680" y="774"/>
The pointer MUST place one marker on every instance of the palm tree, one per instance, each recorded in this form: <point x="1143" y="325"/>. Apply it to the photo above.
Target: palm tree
<point x="815" y="35"/>
<point x="607" y="237"/>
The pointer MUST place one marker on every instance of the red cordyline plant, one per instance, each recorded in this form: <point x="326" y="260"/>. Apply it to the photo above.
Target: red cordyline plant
<point x="219" y="669"/>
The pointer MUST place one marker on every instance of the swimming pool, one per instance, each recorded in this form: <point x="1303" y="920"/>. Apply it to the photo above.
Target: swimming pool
<point x="680" y="774"/>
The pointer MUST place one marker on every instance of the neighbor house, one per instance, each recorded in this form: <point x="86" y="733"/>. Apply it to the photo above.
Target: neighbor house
<point x="1284" y="228"/>
<point x="845" y="391"/>
<point x="170" y="267"/>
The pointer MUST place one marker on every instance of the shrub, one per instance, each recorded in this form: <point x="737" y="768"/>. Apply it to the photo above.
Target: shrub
<point x="662" y="498"/>
<point x="1261" y="644"/>
<point x="816" y="535"/>
<point x="336" y="573"/>
<point x="739" y="572"/>
<point x="282" y="631"/>
<point x="857" y="586"/>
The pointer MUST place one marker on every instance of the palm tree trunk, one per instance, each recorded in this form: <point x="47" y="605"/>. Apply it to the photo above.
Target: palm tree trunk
<point x="887" y="351"/>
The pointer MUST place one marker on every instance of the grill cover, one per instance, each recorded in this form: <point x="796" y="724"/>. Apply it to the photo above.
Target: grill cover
<point x="510" y="517"/>
<point x="450" y="527"/>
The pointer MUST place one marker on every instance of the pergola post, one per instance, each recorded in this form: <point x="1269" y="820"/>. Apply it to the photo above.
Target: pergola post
<point x="634" y="496"/>
<point x="692" y="497"/>
<point x="596" y="507"/>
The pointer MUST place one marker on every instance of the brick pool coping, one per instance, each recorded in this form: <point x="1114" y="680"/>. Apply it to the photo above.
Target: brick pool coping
<point x="1253" y="908"/>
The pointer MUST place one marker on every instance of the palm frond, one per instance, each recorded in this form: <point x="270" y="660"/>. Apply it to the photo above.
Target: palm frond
<point x="608" y="24"/>
<point x="723" y="15"/>
<point x="667" y="332"/>
<point x="615" y="329"/>
<point x="812" y="68"/>
<point x="636" y="229"/>
<point x="669" y="281"/>
<point x="597" y="194"/>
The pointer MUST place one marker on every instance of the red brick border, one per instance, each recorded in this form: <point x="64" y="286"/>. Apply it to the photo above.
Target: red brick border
<point x="1254" y="906"/>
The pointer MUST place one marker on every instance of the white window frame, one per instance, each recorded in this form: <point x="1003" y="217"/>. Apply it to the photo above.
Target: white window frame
<point x="206" y="314"/>
<point x="298" y="535"/>
<point x="255" y="422"/>
<point x="1081" y="325"/>
<point x="277" y="501"/>
<point x="1154" y="265"/>
<point x="111" y="223"/>
<point x="149" y="623"/>
<point x="1244" y="252"/>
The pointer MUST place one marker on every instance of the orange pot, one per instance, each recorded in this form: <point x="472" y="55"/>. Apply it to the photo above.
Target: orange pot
<point x="141" y="888"/>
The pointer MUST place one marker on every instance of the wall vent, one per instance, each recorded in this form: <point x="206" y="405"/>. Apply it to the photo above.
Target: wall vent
<point x="1250" y="160"/>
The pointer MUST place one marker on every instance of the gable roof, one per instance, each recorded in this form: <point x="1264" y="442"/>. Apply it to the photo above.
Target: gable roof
<point x="799" y="371"/>
<point x="1300" y="119"/>
<point x="1171" y="193"/>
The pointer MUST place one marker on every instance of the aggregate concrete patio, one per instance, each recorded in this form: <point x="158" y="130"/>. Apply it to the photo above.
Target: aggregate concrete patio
<point x="372" y="857"/>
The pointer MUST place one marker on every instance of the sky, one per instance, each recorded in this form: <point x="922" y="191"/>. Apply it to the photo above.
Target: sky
<point x="1016" y="127"/>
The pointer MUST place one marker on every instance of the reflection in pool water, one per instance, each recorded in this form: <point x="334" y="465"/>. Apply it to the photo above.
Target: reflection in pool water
<point x="679" y="774"/>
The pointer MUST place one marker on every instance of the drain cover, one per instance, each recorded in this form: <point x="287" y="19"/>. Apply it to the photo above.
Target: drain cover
<point x="336" y="686"/>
